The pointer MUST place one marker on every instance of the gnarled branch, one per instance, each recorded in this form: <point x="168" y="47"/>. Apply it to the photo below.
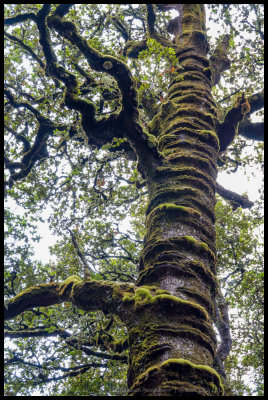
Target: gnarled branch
<point x="88" y="295"/>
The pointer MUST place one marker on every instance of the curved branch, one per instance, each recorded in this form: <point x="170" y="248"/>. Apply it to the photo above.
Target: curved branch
<point x="88" y="295"/>
<point x="35" y="296"/>
<point x="19" y="18"/>
<point x="122" y="124"/>
<point x="38" y="150"/>
<point x="25" y="47"/>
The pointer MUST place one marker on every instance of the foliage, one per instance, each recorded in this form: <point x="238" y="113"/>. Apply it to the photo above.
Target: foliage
<point x="96" y="201"/>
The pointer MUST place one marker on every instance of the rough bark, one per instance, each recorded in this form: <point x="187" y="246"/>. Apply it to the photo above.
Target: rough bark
<point x="172" y="343"/>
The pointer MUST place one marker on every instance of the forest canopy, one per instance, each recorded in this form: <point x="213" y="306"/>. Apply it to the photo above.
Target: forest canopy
<point x="85" y="182"/>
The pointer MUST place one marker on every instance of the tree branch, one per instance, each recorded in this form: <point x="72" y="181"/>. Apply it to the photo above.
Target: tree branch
<point x="87" y="269"/>
<point x="233" y="197"/>
<point x="251" y="130"/>
<point x="223" y="325"/>
<point x="25" y="47"/>
<point x="19" y="18"/>
<point x="256" y="102"/>
<point x="219" y="60"/>
<point x="38" y="150"/>
<point x="122" y="124"/>
<point x="228" y="128"/>
<point x="88" y="295"/>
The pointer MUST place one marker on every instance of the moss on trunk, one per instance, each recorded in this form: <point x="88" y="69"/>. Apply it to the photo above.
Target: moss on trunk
<point x="172" y="342"/>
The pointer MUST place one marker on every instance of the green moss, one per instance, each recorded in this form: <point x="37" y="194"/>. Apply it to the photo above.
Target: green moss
<point x="69" y="284"/>
<point x="186" y="211"/>
<point x="143" y="296"/>
<point x="160" y="291"/>
<point x="179" y="361"/>
<point x="197" y="243"/>
<point x="211" y="135"/>
<point x="154" y="127"/>
<point x="72" y="278"/>
<point x="152" y="141"/>
<point x="199" y="373"/>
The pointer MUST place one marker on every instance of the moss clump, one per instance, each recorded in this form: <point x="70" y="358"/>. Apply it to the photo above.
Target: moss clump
<point x="195" y="242"/>
<point x="143" y="296"/>
<point x="69" y="284"/>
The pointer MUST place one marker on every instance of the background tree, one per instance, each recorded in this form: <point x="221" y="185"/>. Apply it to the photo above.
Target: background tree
<point x="53" y="97"/>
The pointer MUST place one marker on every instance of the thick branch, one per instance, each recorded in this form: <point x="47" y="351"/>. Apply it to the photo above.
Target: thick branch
<point x="219" y="60"/>
<point x="233" y="197"/>
<point x="124" y="124"/>
<point x="228" y="128"/>
<point x="35" y="296"/>
<point x="19" y="18"/>
<point x="251" y="130"/>
<point x="256" y="102"/>
<point x="87" y="295"/>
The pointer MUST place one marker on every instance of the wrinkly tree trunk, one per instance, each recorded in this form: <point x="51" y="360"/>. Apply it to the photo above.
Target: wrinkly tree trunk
<point x="172" y="342"/>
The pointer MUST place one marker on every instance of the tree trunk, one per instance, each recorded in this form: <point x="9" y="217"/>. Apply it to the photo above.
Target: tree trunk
<point x="171" y="339"/>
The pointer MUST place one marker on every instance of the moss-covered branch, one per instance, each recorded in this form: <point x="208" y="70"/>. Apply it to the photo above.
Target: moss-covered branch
<point x="88" y="295"/>
<point x="31" y="152"/>
<point x="219" y="60"/>
<point x="236" y="199"/>
<point x="228" y="128"/>
<point x="132" y="49"/>
<point x="35" y="296"/>
<point x="124" y="123"/>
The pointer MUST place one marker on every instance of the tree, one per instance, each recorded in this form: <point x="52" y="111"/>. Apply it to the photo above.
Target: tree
<point x="107" y="106"/>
